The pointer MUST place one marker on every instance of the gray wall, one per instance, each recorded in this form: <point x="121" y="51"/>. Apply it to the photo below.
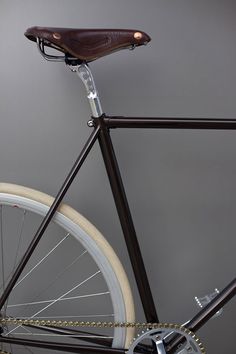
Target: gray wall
<point x="181" y="185"/>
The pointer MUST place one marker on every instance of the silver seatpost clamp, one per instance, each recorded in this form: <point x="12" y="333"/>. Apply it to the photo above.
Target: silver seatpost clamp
<point x="85" y="74"/>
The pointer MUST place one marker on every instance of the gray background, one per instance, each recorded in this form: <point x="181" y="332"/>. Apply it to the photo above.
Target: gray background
<point x="181" y="185"/>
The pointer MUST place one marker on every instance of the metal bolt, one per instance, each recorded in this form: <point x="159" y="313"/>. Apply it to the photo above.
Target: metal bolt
<point x="90" y="123"/>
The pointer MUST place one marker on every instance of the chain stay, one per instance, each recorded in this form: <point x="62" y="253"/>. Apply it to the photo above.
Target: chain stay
<point x="137" y="325"/>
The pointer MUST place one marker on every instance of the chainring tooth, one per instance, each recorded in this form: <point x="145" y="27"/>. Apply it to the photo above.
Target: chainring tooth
<point x="162" y="330"/>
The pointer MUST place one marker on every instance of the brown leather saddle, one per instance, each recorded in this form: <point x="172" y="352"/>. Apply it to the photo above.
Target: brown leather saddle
<point x="87" y="44"/>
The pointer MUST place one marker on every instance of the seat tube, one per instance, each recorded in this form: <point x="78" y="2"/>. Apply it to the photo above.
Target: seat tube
<point x="126" y="222"/>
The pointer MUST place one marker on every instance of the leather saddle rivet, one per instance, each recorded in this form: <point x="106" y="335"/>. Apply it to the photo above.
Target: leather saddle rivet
<point x="56" y="35"/>
<point x="138" y="35"/>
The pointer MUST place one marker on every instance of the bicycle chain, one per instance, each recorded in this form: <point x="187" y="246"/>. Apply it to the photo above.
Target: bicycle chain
<point x="137" y="325"/>
<point x="59" y="323"/>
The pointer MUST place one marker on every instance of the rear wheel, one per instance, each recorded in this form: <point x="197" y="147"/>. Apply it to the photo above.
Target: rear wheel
<point x="73" y="275"/>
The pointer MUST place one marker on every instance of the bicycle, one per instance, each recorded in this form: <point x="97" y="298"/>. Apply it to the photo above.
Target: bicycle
<point x="111" y="328"/>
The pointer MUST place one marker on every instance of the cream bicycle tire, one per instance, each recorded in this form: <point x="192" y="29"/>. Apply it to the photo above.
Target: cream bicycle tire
<point x="92" y="240"/>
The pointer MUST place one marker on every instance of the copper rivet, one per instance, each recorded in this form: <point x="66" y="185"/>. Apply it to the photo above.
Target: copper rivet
<point x="138" y="35"/>
<point x="56" y="35"/>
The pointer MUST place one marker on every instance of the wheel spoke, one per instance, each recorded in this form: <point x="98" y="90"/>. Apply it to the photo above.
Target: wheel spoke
<point x="78" y="316"/>
<point x="60" y="299"/>
<point x="19" y="239"/>
<point x="53" y="331"/>
<point x="68" y="292"/>
<point x="29" y="350"/>
<point x="27" y="329"/>
<point x="87" y="336"/>
<point x="75" y="278"/>
<point x="41" y="260"/>
<point x="60" y="274"/>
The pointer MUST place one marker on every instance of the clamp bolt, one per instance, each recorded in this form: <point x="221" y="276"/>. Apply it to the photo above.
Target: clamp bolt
<point x="90" y="123"/>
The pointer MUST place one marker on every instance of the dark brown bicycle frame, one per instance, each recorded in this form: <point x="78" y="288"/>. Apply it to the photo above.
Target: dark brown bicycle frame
<point x="101" y="132"/>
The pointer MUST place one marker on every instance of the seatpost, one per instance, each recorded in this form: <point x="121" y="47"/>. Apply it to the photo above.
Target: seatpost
<point x="85" y="74"/>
